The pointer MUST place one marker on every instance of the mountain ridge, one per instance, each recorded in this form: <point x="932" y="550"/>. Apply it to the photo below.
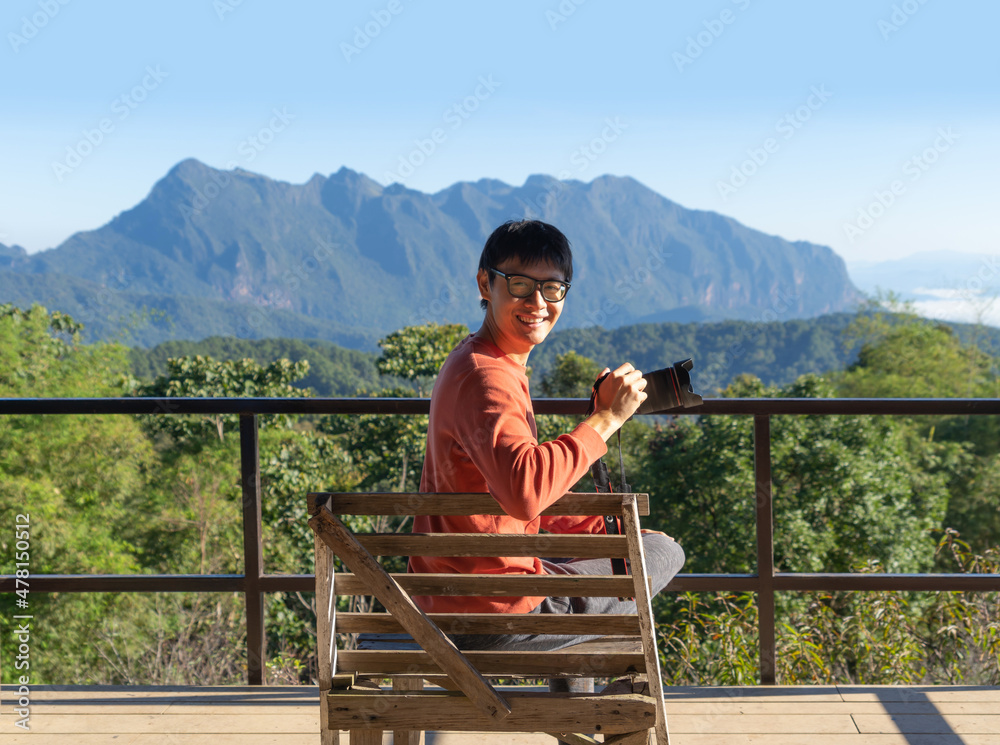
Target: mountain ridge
<point x="344" y="250"/>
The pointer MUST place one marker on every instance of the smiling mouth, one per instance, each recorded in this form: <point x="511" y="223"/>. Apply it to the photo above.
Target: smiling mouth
<point x="532" y="320"/>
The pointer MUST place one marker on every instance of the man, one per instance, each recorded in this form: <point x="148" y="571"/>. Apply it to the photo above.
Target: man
<point x="482" y="437"/>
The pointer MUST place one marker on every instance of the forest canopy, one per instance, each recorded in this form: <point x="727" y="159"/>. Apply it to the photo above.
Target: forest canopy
<point x="161" y="494"/>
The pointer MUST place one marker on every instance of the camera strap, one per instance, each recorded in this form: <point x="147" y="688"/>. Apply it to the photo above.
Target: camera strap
<point x="602" y="483"/>
<point x="624" y="487"/>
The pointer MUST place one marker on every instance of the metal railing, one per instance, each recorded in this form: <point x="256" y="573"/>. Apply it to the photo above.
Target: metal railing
<point x="254" y="583"/>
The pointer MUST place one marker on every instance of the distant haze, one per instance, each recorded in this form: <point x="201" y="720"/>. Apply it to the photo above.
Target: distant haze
<point x="948" y="285"/>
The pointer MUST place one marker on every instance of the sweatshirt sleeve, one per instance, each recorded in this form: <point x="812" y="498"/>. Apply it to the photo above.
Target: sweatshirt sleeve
<point x="524" y="476"/>
<point x="573" y="524"/>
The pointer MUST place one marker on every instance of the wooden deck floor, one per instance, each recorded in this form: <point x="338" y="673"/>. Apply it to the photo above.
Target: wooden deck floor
<point x="285" y="715"/>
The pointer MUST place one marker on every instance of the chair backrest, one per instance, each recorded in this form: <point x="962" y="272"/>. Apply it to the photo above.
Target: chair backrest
<point x="628" y="646"/>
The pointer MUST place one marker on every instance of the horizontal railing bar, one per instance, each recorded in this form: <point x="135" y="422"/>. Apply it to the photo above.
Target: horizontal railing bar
<point x="568" y="406"/>
<point x="849" y="406"/>
<point x="128" y="583"/>
<point x="713" y="583"/>
<point x="791" y="582"/>
<point x="158" y="583"/>
<point x="220" y="405"/>
<point x="786" y="582"/>
<point x="288" y="583"/>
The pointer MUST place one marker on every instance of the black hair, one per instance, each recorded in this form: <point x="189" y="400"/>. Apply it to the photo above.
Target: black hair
<point x="529" y="241"/>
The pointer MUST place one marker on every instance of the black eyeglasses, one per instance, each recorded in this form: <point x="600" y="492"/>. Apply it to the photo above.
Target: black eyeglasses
<point x="520" y="286"/>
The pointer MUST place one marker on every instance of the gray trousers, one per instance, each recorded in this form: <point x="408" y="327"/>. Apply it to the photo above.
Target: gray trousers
<point x="664" y="559"/>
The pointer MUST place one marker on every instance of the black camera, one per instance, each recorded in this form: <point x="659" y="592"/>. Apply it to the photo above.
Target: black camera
<point x="669" y="388"/>
<point x="666" y="389"/>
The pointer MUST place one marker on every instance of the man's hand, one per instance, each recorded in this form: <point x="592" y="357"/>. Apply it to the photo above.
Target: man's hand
<point x="618" y="397"/>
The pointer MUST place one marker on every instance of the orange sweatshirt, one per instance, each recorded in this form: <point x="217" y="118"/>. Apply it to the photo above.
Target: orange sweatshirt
<point x="482" y="438"/>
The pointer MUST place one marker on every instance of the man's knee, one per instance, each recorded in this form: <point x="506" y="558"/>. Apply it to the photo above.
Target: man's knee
<point x="664" y="558"/>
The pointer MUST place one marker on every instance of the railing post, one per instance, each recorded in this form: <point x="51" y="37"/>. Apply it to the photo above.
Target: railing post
<point x="765" y="546"/>
<point x="253" y="556"/>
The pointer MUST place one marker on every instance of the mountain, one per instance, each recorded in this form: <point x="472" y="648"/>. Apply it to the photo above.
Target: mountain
<point x="10" y="254"/>
<point x="237" y="253"/>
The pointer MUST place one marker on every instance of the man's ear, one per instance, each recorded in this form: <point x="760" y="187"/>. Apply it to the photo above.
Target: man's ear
<point x="483" y="280"/>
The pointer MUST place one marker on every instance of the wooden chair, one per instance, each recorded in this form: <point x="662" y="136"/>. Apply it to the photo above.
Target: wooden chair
<point x="351" y="697"/>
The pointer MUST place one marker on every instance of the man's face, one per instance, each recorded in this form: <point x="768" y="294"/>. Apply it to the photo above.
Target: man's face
<point x="517" y="324"/>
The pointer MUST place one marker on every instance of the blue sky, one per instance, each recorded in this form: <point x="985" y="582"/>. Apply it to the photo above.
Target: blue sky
<point x="867" y="125"/>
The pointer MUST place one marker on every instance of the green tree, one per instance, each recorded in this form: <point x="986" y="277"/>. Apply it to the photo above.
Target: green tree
<point x="388" y="450"/>
<point x="902" y="355"/>
<point x="905" y="356"/>
<point x="79" y="480"/>
<point x="204" y="377"/>
<point x="846" y="488"/>
<point x="417" y="352"/>
<point x="333" y="370"/>
<point x="200" y="496"/>
<point x="572" y="376"/>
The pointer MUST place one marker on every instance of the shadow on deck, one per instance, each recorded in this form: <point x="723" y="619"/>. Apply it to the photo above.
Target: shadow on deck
<point x="289" y="715"/>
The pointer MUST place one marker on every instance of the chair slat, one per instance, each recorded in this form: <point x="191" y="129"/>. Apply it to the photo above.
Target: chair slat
<point x="492" y="585"/>
<point x="601" y="645"/>
<point x="387" y="650"/>
<point x="548" y="664"/>
<point x="494" y="623"/>
<point x="439" y="647"/>
<point x="495" y="544"/>
<point x="530" y="712"/>
<point x="417" y="503"/>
